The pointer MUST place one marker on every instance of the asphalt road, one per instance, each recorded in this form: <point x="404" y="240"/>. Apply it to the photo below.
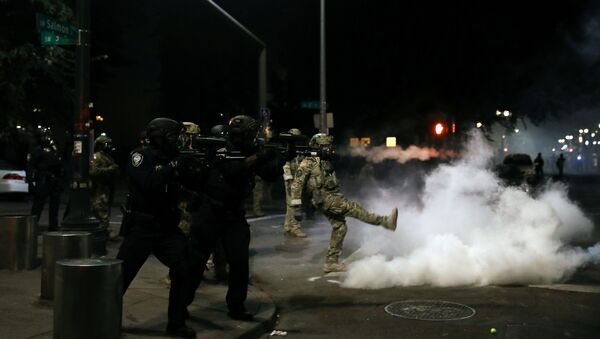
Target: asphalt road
<point x="312" y="305"/>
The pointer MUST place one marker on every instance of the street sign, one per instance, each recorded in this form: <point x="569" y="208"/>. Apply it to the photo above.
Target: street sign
<point x="55" y="32"/>
<point x="310" y="104"/>
<point x="265" y="114"/>
<point x="51" y="38"/>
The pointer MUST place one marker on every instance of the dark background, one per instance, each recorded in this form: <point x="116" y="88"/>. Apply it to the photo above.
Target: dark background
<point x="393" y="67"/>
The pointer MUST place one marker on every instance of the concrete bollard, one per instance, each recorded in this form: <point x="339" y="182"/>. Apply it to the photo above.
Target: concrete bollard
<point x="58" y="246"/>
<point x="18" y="242"/>
<point x="88" y="299"/>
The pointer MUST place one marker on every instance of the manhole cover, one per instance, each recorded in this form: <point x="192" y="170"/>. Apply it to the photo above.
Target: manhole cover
<point x="433" y="310"/>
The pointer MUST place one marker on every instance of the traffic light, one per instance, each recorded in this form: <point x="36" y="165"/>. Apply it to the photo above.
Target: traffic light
<point x="439" y="129"/>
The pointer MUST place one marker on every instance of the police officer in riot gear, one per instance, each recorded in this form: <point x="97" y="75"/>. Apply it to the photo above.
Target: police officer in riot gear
<point x="153" y="218"/>
<point x="45" y="174"/>
<point x="219" y="213"/>
<point x="218" y="131"/>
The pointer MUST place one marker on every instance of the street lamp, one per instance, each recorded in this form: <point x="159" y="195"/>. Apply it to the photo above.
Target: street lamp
<point x="479" y="125"/>
<point x="262" y="59"/>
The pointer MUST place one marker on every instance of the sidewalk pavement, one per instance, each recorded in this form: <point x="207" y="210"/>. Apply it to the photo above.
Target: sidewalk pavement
<point x="144" y="306"/>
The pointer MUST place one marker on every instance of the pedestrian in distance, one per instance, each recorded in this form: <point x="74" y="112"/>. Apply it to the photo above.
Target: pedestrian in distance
<point x="560" y="164"/>
<point x="539" y="165"/>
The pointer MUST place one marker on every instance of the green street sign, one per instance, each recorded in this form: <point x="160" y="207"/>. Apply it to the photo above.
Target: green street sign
<point x="55" y="32"/>
<point x="52" y="38"/>
<point x="310" y="104"/>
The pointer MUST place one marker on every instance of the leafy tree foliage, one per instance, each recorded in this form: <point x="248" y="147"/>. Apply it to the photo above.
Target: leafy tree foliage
<point x="33" y="76"/>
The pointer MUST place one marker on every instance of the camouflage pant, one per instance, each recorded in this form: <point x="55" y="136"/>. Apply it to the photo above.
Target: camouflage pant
<point x="186" y="218"/>
<point x="336" y="208"/>
<point x="258" y="196"/>
<point x="290" y="223"/>
<point x="101" y="206"/>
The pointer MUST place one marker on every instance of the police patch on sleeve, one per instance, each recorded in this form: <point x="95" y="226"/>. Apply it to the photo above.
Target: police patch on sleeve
<point x="136" y="159"/>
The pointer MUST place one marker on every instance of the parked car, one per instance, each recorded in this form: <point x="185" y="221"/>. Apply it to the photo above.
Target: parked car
<point x="12" y="178"/>
<point x="517" y="169"/>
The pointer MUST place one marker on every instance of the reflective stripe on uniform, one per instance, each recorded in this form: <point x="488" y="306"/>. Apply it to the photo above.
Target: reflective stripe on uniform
<point x="296" y="202"/>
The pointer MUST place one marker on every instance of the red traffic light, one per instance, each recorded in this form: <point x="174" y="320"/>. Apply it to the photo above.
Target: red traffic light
<point x="439" y="129"/>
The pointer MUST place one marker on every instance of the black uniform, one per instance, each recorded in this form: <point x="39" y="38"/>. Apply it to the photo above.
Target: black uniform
<point x="539" y="165"/>
<point x="218" y="213"/>
<point x="153" y="194"/>
<point x="45" y="172"/>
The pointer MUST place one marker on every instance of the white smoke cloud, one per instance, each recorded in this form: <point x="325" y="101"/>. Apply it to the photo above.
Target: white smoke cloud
<point x="472" y="230"/>
<point x="378" y="154"/>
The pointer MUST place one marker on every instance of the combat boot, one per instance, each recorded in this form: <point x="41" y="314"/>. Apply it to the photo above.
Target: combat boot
<point x="391" y="220"/>
<point x="181" y="332"/>
<point x="334" y="267"/>
<point x="296" y="232"/>
<point x="240" y="313"/>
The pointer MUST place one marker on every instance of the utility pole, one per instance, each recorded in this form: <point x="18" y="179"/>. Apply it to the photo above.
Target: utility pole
<point x="79" y="214"/>
<point x="323" y="87"/>
<point x="262" y="58"/>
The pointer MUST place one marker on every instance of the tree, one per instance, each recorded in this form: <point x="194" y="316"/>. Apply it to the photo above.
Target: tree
<point x="33" y="76"/>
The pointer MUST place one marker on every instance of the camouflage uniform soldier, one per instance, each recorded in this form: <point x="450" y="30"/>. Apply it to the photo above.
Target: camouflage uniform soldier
<point x="257" y="196"/>
<point x="103" y="173"/>
<point x="291" y="225"/>
<point x="319" y="176"/>
<point x="185" y="142"/>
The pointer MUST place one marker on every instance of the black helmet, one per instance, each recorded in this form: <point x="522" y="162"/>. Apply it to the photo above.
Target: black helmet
<point x="164" y="127"/>
<point x="243" y="131"/>
<point x="163" y="134"/>
<point x="243" y="125"/>
<point x="218" y="131"/>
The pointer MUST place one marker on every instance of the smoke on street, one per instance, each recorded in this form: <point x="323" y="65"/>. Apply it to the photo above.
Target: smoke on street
<point x="468" y="228"/>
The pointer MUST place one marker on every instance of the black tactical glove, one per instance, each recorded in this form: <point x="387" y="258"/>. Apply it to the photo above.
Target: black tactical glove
<point x="290" y="152"/>
<point x="328" y="154"/>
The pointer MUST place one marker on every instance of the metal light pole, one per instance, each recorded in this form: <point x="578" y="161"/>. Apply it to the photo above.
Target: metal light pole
<point x="262" y="59"/>
<point x="323" y="98"/>
<point x="79" y="214"/>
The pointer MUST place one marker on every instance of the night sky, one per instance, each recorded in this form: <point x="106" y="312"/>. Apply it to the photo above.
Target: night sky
<point x="392" y="66"/>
